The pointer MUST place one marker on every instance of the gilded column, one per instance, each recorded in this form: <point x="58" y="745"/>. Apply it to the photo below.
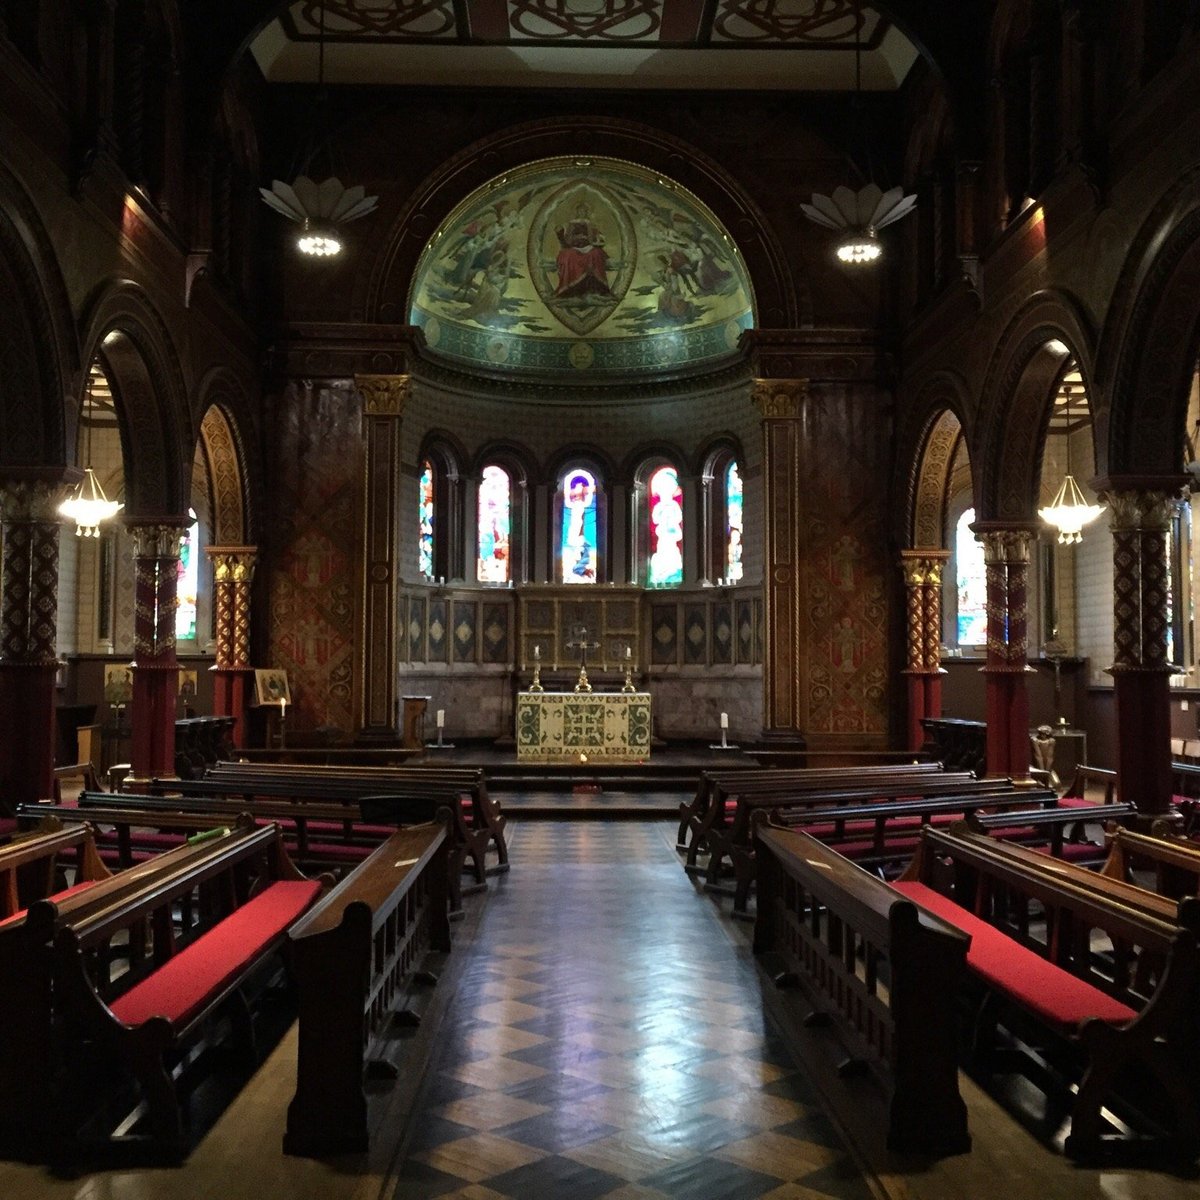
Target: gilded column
<point x="28" y="638"/>
<point x="923" y="637"/>
<point x="155" y="667"/>
<point x="1141" y="673"/>
<point x="781" y="402"/>
<point x="378" y="663"/>
<point x="233" y="572"/>
<point x="1006" y="551"/>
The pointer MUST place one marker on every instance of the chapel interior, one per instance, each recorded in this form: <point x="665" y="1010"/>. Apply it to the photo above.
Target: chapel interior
<point x="811" y="384"/>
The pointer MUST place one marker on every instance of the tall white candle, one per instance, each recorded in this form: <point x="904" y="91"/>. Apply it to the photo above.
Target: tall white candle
<point x="724" y="720"/>
<point x="441" y="717"/>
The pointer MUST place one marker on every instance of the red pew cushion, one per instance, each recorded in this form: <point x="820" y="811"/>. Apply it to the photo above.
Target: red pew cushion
<point x="1055" y="995"/>
<point x="181" y="987"/>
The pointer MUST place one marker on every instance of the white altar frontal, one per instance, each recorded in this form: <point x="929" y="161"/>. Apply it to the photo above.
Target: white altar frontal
<point x="605" y="727"/>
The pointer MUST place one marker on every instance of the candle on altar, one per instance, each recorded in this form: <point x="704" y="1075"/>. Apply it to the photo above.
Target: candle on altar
<point x="441" y="717"/>
<point x="628" y="651"/>
<point x="724" y="720"/>
<point x="282" y="707"/>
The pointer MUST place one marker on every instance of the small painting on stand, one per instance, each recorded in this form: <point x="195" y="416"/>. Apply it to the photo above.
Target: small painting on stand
<point x="271" y="686"/>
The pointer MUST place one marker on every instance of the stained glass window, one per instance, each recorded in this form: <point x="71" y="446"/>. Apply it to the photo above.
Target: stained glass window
<point x="187" y="585"/>
<point x="972" y="584"/>
<point x="664" y="565"/>
<point x="733" y="523"/>
<point x="425" y="537"/>
<point x="495" y="522"/>
<point x="577" y="549"/>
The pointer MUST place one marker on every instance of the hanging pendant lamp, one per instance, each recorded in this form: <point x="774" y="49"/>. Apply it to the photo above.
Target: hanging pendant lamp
<point x="859" y="215"/>
<point x="87" y="505"/>
<point x="320" y="209"/>
<point x="1069" y="511"/>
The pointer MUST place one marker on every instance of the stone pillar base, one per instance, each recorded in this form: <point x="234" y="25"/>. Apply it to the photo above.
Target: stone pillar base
<point x="155" y="690"/>
<point x="27" y="744"/>
<point x="230" y="686"/>
<point x="1143" y="700"/>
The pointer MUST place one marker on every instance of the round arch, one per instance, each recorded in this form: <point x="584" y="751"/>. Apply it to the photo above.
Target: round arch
<point x="231" y="515"/>
<point x="387" y="283"/>
<point x="40" y="372"/>
<point x="1152" y="336"/>
<point x="1017" y="399"/>
<point x="136" y="350"/>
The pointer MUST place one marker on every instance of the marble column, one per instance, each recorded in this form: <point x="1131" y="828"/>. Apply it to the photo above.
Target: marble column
<point x="1006" y="551"/>
<point x="155" y="667"/>
<point x="1140" y="671"/>
<point x="28" y="637"/>
<point x="233" y="572"/>
<point x="923" y="637"/>
<point x="378" y="664"/>
<point x="781" y="401"/>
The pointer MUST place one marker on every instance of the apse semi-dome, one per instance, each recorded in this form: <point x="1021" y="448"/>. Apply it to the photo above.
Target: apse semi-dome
<point x="584" y="267"/>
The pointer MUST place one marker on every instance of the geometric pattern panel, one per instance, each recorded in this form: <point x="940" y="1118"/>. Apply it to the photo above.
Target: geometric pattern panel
<point x="664" y="633"/>
<point x="744" y="631"/>
<point x="722" y="633"/>
<point x="416" y="628"/>
<point x="578" y="727"/>
<point x="562" y="1067"/>
<point x="463" y="623"/>
<point x="695" y="634"/>
<point x="438" y="640"/>
<point x="494" y="633"/>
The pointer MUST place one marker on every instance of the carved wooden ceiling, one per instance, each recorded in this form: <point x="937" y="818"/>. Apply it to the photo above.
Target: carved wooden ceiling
<point x="794" y="44"/>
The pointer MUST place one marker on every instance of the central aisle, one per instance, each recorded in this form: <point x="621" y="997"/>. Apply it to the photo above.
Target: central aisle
<point x="607" y="1039"/>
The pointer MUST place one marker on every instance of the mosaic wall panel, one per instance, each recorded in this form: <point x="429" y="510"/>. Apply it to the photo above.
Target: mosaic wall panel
<point x="664" y="634"/>
<point x="744" y="630"/>
<point x="316" y="463"/>
<point x="463" y="630"/>
<point x="417" y="610"/>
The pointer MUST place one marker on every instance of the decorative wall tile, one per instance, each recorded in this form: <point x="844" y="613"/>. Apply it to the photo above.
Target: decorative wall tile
<point x="664" y="633"/>
<point x="417" y="608"/>
<point x="494" y="633"/>
<point x="722" y="632"/>
<point x="695" y="634"/>
<point x="463" y="620"/>
<point x="439" y="643"/>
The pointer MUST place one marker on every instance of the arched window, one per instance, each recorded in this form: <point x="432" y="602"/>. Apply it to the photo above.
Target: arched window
<point x="494" y="564"/>
<point x="579" y="527"/>
<point x="733" y="523"/>
<point x="664" y="515"/>
<point x="187" y="587"/>
<point x="426" y="519"/>
<point x="971" y="583"/>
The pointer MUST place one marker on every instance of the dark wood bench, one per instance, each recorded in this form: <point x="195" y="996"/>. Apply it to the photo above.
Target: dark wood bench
<point x="884" y="971"/>
<point x="248" y="895"/>
<point x="1058" y="830"/>
<point x="485" y="811"/>
<point x="354" y="955"/>
<point x="27" y="1059"/>
<point x="31" y="865"/>
<point x="724" y="835"/>
<point x="1091" y="1014"/>
<point x="691" y="812"/>
<point x="1174" y="862"/>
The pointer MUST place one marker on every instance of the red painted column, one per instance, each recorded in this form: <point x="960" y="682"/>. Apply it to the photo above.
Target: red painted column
<point x="1006" y="556"/>
<point x="923" y="637"/>
<point x="233" y="571"/>
<point x="155" y="668"/>
<point x="1140" y="670"/>
<point x="28" y="638"/>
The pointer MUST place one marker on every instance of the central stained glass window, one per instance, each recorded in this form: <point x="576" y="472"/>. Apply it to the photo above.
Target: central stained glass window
<point x="577" y="550"/>
<point x="664" y="566"/>
<point x="495" y="525"/>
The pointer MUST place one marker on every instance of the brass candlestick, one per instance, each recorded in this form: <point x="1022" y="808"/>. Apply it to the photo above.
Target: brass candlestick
<point x="628" y="685"/>
<point x="536" y="683"/>
<point x="581" y="684"/>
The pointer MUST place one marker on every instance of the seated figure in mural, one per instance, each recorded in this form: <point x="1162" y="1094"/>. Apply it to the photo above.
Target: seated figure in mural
<point x="582" y="261"/>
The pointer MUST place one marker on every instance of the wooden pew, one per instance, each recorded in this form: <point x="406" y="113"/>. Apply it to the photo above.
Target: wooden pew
<point x="478" y="832"/>
<point x="1093" y="777"/>
<point x="1050" y="826"/>
<point x="1095" y="1015"/>
<point x="692" y="811"/>
<point x="485" y="809"/>
<point x="723" y="795"/>
<point x="839" y="932"/>
<point x="319" y="836"/>
<point x="250" y="893"/>
<point x="27" y="1071"/>
<point x="723" y="836"/>
<point x="1174" y="861"/>
<point x="30" y="865"/>
<point x="354" y="955"/>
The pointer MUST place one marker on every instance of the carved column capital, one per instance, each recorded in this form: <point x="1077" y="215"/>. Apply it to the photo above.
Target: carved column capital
<point x="158" y="539"/>
<point x="383" y="395"/>
<point x="31" y="499"/>
<point x="1009" y="546"/>
<point x="923" y="566"/>
<point x="233" y="564"/>
<point x="779" y="399"/>
<point x="1140" y="511"/>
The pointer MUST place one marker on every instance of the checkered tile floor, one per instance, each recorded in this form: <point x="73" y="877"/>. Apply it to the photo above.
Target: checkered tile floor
<point x="608" y="1040"/>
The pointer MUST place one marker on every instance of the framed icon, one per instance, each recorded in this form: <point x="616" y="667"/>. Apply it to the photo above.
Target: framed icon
<point x="271" y="686"/>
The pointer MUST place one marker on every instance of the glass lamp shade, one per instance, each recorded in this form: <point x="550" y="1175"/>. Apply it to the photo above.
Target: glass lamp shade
<point x="1069" y="512"/>
<point x="318" y="241"/>
<point x="88" y="507"/>
<point x="859" y="246"/>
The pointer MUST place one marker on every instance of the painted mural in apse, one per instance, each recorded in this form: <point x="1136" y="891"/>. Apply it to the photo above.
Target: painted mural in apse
<point x="582" y="266"/>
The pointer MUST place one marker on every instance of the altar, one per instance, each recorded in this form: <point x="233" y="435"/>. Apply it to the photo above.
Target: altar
<point x="607" y="727"/>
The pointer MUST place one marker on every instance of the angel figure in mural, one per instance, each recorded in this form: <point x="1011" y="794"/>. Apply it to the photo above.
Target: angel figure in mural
<point x="582" y="261"/>
<point x="847" y="647"/>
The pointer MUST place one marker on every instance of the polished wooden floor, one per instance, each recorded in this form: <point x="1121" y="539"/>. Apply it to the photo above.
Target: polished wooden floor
<point x="602" y="1031"/>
